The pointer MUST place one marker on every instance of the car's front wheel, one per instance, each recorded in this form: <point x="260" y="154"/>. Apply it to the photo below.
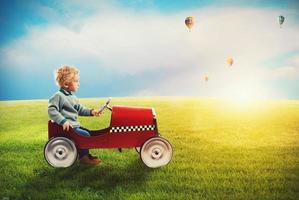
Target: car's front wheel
<point x="156" y="152"/>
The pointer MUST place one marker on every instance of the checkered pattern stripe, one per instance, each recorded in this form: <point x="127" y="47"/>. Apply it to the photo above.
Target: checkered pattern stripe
<point x="132" y="128"/>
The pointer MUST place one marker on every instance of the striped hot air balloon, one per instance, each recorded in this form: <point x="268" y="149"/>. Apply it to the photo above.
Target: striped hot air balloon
<point x="189" y="21"/>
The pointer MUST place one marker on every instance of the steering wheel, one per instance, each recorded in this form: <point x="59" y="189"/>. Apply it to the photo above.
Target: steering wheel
<point x="106" y="105"/>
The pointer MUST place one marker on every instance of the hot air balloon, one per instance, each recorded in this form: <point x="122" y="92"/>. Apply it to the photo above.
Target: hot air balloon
<point x="280" y="20"/>
<point x="230" y="61"/>
<point x="189" y="21"/>
<point x="206" y="78"/>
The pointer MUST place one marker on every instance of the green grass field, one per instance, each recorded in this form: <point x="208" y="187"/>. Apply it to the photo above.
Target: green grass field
<point x="222" y="150"/>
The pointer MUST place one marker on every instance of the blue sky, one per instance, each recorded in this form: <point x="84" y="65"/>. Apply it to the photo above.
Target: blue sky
<point x="142" y="48"/>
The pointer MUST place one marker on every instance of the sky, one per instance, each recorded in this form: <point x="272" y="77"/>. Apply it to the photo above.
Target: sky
<point x="143" y="48"/>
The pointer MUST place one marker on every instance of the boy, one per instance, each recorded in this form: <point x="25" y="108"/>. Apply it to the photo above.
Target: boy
<point x="64" y="108"/>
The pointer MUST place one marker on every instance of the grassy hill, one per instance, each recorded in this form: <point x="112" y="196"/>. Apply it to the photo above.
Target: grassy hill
<point x="222" y="150"/>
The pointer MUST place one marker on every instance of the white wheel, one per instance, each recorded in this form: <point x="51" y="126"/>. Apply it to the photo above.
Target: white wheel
<point x="60" y="152"/>
<point x="156" y="152"/>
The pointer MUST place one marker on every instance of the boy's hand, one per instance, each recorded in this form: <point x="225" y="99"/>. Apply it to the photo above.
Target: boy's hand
<point x="66" y="126"/>
<point x="96" y="113"/>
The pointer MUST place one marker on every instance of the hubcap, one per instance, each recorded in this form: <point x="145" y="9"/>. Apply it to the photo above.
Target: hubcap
<point x="60" y="153"/>
<point x="156" y="153"/>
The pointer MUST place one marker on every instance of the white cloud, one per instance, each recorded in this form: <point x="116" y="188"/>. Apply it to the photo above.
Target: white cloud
<point x="290" y="70"/>
<point x="129" y="43"/>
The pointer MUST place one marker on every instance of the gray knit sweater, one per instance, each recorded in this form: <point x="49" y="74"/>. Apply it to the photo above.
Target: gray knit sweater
<point x="64" y="106"/>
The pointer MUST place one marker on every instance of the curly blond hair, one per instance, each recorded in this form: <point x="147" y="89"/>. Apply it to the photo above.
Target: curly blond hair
<point x="65" y="74"/>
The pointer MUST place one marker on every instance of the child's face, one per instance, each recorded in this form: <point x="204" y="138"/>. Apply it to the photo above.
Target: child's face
<point x="74" y="85"/>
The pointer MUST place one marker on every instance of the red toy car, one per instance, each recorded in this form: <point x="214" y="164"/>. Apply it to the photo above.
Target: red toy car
<point x="130" y="127"/>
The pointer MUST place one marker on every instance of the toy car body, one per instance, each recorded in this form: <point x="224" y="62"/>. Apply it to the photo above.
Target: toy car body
<point x="130" y="127"/>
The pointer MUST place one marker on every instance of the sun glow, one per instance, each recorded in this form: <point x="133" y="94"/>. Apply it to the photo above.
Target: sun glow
<point x="243" y="93"/>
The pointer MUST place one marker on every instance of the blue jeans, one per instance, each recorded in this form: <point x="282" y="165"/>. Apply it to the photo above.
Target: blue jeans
<point x="80" y="131"/>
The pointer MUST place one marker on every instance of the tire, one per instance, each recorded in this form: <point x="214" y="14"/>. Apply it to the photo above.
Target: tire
<point x="60" y="152"/>
<point x="156" y="152"/>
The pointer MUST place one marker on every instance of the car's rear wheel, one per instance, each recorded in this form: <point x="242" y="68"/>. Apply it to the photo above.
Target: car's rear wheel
<point x="156" y="152"/>
<point x="60" y="152"/>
